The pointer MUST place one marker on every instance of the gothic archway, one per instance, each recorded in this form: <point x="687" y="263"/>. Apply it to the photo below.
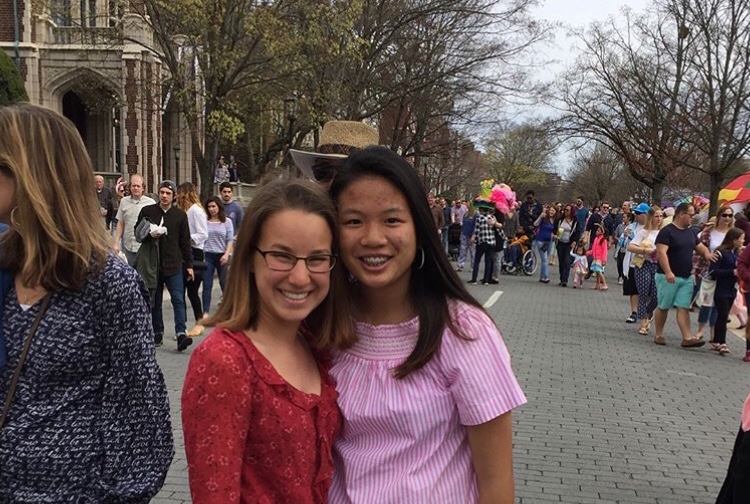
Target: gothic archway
<point x="95" y="110"/>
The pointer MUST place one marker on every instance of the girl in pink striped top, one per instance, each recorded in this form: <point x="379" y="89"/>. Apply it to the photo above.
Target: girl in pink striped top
<point x="427" y="389"/>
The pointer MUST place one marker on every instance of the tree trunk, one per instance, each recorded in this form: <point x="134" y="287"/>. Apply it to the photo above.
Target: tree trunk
<point x="714" y="188"/>
<point x="657" y="189"/>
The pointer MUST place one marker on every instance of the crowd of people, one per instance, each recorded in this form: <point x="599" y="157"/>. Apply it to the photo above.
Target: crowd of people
<point x="658" y="265"/>
<point x="348" y="361"/>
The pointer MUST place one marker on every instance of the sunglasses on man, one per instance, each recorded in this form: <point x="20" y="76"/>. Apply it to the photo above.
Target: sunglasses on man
<point x="324" y="170"/>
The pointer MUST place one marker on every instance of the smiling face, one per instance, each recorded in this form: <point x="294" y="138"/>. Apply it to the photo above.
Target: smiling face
<point x="378" y="239"/>
<point x="287" y="297"/>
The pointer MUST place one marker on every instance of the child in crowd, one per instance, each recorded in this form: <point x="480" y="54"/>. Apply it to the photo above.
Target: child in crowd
<point x="599" y="254"/>
<point x="724" y="271"/>
<point x="580" y="266"/>
<point x="259" y="410"/>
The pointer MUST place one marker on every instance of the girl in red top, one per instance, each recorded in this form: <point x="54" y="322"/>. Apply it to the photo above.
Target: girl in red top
<point x="259" y="411"/>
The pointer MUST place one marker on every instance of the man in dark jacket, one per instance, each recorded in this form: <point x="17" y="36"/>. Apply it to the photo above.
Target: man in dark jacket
<point x="529" y="212"/>
<point x="173" y="241"/>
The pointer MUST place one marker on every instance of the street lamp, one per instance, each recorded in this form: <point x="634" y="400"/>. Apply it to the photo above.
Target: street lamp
<point x="176" y="149"/>
<point x="290" y="112"/>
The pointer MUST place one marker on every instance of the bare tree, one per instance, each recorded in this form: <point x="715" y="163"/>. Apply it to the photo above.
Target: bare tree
<point x="599" y="174"/>
<point x="625" y="92"/>
<point x="716" y="103"/>
<point x="437" y="63"/>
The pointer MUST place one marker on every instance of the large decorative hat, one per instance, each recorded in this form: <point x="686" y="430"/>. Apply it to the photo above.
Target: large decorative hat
<point x="338" y="139"/>
<point x="485" y="192"/>
<point x="495" y="197"/>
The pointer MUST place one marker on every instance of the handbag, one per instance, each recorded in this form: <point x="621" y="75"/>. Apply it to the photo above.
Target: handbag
<point x="22" y="359"/>
<point x="706" y="292"/>
<point x="705" y="295"/>
<point x="143" y="229"/>
<point x="199" y="265"/>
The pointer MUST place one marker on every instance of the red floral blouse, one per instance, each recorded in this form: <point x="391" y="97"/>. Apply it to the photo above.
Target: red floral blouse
<point x="250" y="437"/>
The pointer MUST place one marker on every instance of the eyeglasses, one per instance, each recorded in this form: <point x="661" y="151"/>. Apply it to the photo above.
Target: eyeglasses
<point x="324" y="170"/>
<point x="727" y="215"/>
<point x="282" y="261"/>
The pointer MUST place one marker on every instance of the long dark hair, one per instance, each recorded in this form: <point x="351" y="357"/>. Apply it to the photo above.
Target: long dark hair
<point x="727" y="245"/>
<point x="435" y="283"/>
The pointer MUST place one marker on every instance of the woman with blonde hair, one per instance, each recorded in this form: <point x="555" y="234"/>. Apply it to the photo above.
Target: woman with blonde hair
<point x="643" y="246"/>
<point x="86" y="416"/>
<point x="189" y="202"/>
<point x="712" y="235"/>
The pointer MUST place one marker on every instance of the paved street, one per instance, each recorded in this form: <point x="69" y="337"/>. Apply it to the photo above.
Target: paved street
<point x="611" y="417"/>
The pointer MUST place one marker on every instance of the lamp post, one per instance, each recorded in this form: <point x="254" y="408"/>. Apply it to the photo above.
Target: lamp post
<point x="290" y="113"/>
<point x="176" y="149"/>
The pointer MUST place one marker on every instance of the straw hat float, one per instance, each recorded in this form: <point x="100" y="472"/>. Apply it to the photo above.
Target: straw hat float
<point x="338" y="139"/>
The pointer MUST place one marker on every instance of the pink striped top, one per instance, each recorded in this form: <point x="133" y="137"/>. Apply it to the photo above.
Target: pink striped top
<point x="405" y="440"/>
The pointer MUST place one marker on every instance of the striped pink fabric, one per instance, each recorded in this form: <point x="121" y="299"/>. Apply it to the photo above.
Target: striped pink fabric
<point x="405" y="440"/>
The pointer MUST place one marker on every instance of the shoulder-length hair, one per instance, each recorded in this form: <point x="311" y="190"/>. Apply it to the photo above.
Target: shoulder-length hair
<point x="187" y="196"/>
<point x="435" y="283"/>
<point x="330" y="322"/>
<point x="57" y="236"/>
<point x="222" y="214"/>
<point x="649" y="226"/>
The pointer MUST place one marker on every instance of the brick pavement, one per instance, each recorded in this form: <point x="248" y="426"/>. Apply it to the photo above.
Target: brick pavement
<point x="611" y="418"/>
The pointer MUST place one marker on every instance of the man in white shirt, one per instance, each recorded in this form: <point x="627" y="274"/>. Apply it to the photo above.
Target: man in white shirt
<point x="127" y="215"/>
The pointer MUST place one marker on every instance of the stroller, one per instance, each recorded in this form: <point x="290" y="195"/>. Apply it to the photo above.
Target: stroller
<point x="454" y="240"/>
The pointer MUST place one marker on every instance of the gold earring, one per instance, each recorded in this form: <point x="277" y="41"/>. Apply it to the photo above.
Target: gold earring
<point x="13" y="217"/>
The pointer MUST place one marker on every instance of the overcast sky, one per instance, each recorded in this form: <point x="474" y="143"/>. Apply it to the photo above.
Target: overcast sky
<point x="576" y="14"/>
<point x="572" y="14"/>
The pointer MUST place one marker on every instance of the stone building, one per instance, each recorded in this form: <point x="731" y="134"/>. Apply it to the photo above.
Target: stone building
<point x="96" y="62"/>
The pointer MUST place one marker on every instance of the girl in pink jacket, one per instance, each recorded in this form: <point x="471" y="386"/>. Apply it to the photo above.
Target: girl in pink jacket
<point x="599" y="253"/>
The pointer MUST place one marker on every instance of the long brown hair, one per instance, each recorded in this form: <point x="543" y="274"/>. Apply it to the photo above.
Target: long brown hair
<point x="57" y="236"/>
<point x="727" y="244"/>
<point x="240" y="304"/>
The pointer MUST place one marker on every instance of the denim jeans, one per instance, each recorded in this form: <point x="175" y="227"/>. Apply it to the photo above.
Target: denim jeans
<point x="466" y="252"/>
<point x="176" y="286"/>
<point x="193" y="286"/>
<point x="543" y="258"/>
<point x="213" y="264"/>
